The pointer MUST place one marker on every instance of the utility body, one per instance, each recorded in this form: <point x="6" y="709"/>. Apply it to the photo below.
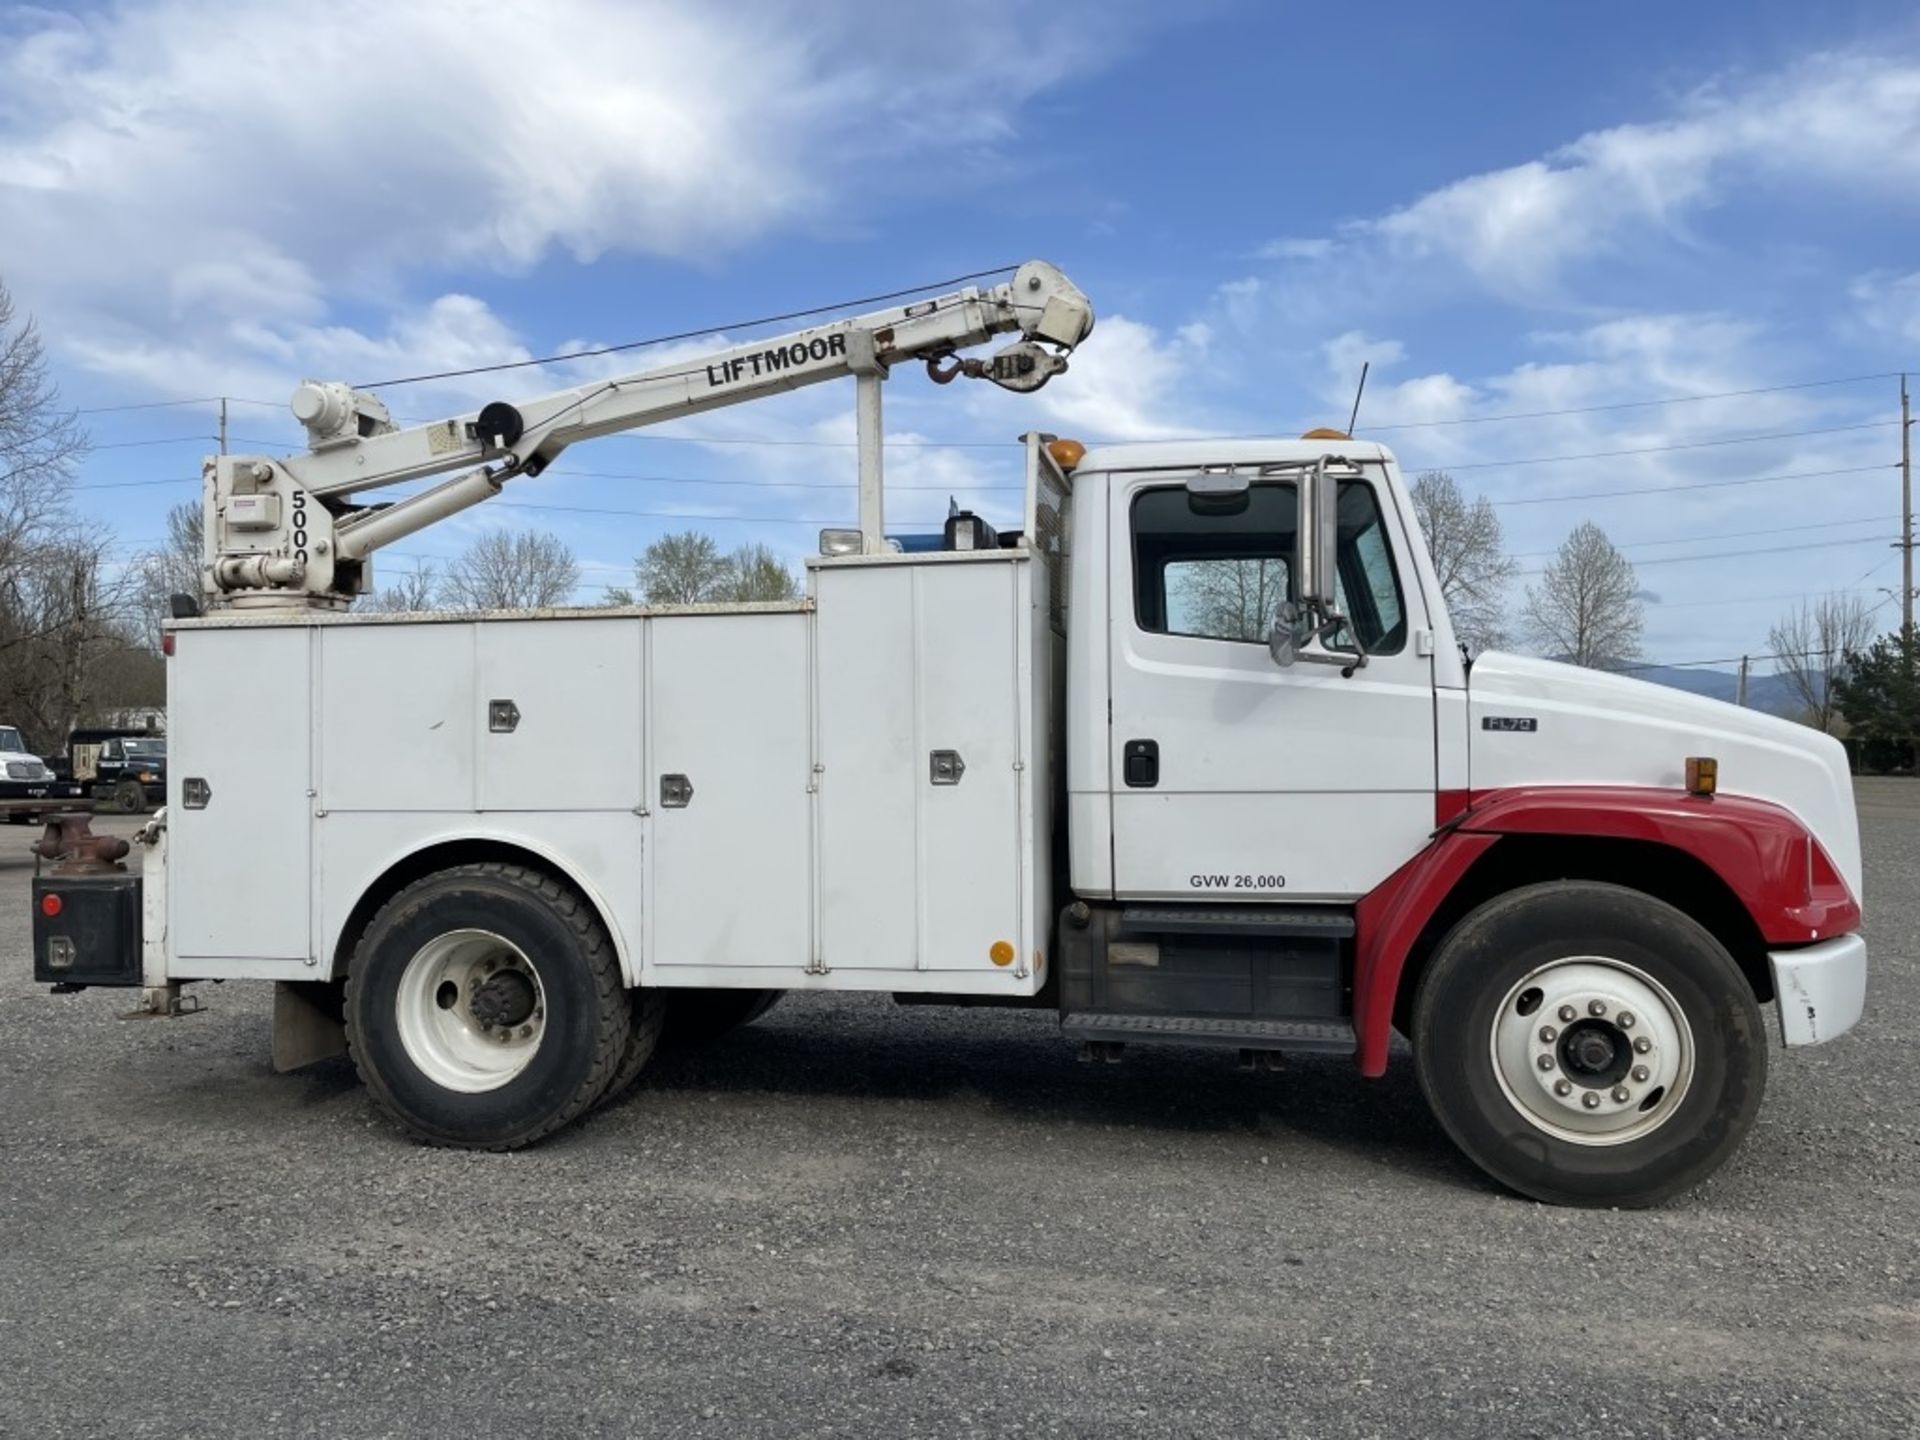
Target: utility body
<point x="1191" y="755"/>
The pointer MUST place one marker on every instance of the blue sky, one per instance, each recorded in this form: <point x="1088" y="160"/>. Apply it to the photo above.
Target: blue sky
<point x="1506" y="209"/>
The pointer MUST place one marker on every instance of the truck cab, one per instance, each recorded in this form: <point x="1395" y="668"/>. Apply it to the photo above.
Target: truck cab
<point x="28" y="788"/>
<point x="126" y="769"/>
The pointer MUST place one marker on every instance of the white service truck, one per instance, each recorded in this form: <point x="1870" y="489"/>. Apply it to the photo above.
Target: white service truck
<point x="1191" y="756"/>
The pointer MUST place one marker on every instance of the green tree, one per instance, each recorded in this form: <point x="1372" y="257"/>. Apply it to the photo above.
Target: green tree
<point x="1878" y="692"/>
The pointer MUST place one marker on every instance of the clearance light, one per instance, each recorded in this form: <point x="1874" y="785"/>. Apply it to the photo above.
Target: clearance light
<point x="1001" y="953"/>
<point x="1066" y="453"/>
<point x="50" y="905"/>
<point x="1703" y="774"/>
<point x="1326" y="433"/>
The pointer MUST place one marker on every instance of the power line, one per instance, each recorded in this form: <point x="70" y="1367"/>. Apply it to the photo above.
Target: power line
<point x="1679" y="445"/>
<point x="1693" y="485"/>
<point x="1726" y="535"/>
<point x="147" y="405"/>
<point x="1635" y="404"/>
<point x="694" y="334"/>
<point x="1733" y="554"/>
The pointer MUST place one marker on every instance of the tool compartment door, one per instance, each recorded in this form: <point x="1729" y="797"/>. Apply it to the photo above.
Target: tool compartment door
<point x="240" y="868"/>
<point x="728" y="774"/>
<point x="920" y="739"/>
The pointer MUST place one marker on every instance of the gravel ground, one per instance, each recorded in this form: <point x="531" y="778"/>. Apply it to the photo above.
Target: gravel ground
<point x="852" y="1219"/>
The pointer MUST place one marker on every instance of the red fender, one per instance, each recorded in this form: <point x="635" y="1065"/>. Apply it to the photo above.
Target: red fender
<point x="1768" y="859"/>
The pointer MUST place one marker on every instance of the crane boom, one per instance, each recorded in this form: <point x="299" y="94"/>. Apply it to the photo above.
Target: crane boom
<point x="282" y="531"/>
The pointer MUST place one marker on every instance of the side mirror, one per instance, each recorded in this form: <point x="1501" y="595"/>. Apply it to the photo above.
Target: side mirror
<point x="1317" y="538"/>
<point x="1283" y="641"/>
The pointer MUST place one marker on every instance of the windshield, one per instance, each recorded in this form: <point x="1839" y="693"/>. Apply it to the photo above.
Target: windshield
<point x="10" y="740"/>
<point x="157" y="748"/>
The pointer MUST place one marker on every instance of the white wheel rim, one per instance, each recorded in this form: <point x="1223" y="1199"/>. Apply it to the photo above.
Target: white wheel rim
<point x="1592" y="1050"/>
<point x="452" y="1046"/>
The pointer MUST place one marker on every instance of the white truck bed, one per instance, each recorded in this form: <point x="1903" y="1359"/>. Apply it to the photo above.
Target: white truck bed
<point x="816" y="851"/>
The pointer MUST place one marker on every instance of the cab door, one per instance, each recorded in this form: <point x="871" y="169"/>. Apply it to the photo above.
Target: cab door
<point x="1232" y="778"/>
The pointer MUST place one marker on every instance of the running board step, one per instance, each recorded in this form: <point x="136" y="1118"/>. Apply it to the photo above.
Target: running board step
<point x="1317" y="1037"/>
<point x="1296" y="922"/>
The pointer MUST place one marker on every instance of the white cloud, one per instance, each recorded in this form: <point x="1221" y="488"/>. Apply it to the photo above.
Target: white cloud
<point x="1128" y="383"/>
<point x="1296" y="247"/>
<point x="1845" y="123"/>
<point x="1889" y="304"/>
<point x="210" y="177"/>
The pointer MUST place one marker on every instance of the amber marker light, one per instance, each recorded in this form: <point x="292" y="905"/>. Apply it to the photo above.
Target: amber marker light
<point x="1703" y="774"/>
<point x="1066" y="453"/>
<point x="1001" y="953"/>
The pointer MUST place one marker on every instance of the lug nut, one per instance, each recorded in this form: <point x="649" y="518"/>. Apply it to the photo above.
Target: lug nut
<point x="1567" y="1012"/>
<point x="1548" y="1034"/>
<point x="525" y="1031"/>
<point x="1545" y="1062"/>
<point x="1624" y="1019"/>
<point x="1563" y="1088"/>
<point x="1642" y="1045"/>
<point x="1596" y="1007"/>
<point x="1591" y="1099"/>
<point x="1622" y="1094"/>
<point x="1641" y="1074"/>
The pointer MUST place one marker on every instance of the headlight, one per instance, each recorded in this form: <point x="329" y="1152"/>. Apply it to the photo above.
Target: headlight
<point x="145" y="777"/>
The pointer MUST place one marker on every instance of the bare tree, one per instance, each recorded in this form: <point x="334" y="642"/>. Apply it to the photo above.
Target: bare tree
<point x="682" y="569"/>
<point x="406" y="591"/>
<point x="687" y="568"/>
<point x="1586" y="607"/>
<point x="1809" y="647"/>
<point x="171" y="568"/>
<point x="1229" y="598"/>
<point x="59" y="602"/>
<point x="511" y="570"/>
<point x="40" y="442"/>
<point x="756" y="573"/>
<point x="65" y="638"/>
<point x="1469" y="553"/>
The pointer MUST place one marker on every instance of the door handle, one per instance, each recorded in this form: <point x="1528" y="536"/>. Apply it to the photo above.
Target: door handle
<point x="1140" y="763"/>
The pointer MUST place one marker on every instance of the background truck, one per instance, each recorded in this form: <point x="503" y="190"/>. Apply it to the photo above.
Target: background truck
<point x="29" y="788"/>
<point x="1189" y="756"/>
<point x="119" y="767"/>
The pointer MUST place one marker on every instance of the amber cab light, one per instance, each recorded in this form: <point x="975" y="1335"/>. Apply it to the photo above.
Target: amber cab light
<point x="1703" y="774"/>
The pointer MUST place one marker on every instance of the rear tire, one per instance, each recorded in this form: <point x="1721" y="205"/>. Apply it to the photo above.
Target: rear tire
<point x="699" y="1017"/>
<point x="484" y="1007"/>
<point x="1586" y="1044"/>
<point x="649" y="1008"/>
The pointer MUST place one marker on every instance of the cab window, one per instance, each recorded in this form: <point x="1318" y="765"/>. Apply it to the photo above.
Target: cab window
<point x="1211" y="575"/>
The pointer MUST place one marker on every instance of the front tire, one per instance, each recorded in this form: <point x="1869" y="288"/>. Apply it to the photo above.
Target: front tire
<point x="130" y="797"/>
<point x="484" y="1007"/>
<point x="1586" y="1044"/>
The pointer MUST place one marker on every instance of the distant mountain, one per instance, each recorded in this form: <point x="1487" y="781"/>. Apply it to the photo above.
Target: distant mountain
<point x="1771" y="693"/>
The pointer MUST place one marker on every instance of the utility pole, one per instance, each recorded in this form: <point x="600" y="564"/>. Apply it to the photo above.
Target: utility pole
<point x="1740" y="696"/>
<point x="1907" y="513"/>
<point x="223" y="424"/>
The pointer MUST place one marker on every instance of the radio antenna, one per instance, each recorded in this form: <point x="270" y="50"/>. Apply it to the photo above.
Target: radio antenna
<point x="1353" y="419"/>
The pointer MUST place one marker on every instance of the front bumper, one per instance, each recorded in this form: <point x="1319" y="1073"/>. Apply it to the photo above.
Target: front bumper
<point x="1820" y="989"/>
